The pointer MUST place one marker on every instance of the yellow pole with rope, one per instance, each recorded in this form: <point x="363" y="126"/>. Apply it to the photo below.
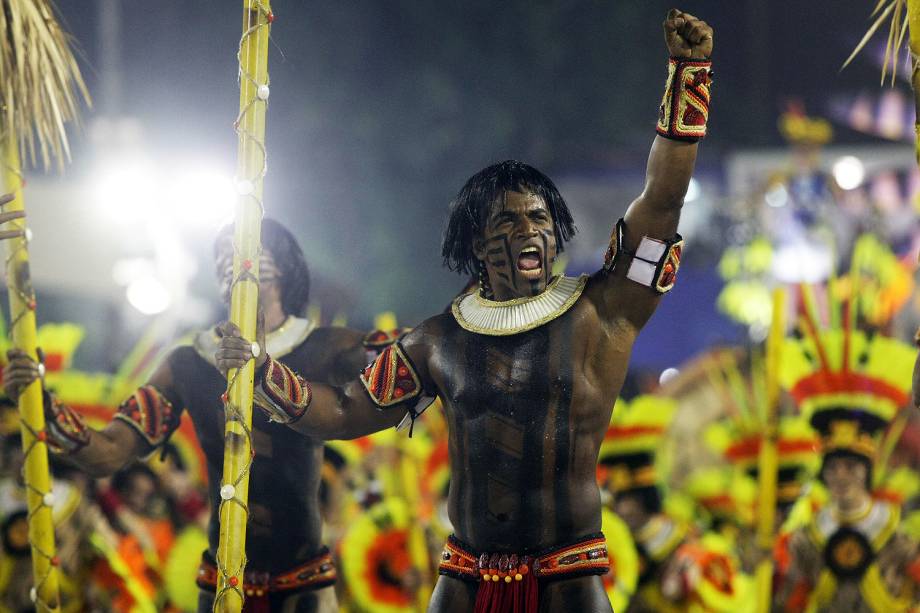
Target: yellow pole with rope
<point x="40" y="87"/>
<point x="238" y="452"/>
<point x="768" y="461"/>
<point x="31" y="412"/>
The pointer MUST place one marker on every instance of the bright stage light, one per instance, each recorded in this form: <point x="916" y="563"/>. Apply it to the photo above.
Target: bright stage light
<point x="179" y="194"/>
<point x="694" y="190"/>
<point x="849" y="172"/>
<point x="148" y="295"/>
<point x="203" y="198"/>
<point x="126" y="191"/>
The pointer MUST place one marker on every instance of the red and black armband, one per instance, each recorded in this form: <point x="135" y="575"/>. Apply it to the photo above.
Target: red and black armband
<point x="66" y="431"/>
<point x="281" y="393"/>
<point x="392" y="381"/>
<point x="654" y="263"/>
<point x="684" y="108"/>
<point x="151" y="415"/>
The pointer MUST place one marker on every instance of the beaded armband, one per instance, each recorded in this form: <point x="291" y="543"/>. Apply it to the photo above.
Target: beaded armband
<point x="654" y="264"/>
<point x="150" y="414"/>
<point x="684" y="108"/>
<point x="281" y="393"/>
<point x="67" y="433"/>
<point x="391" y="378"/>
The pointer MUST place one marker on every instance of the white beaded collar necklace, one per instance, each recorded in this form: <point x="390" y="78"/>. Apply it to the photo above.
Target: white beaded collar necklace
<point x="493" y="318"/>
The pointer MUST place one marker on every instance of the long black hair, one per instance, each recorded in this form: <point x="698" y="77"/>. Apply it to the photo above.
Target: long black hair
<point x="289" y="258"/>
<point x="470" y="210"/>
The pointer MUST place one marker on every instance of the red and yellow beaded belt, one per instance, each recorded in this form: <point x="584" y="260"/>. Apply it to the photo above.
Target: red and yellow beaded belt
<point x="313" y="574"/>
<point x="586" y="557"/>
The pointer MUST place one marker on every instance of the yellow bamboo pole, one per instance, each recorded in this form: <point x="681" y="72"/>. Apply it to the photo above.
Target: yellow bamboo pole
<point x="250" y="125"/>
<point x="768" y="461"/>
<point x="31" y="413"/>
<point x="913" y="27"/>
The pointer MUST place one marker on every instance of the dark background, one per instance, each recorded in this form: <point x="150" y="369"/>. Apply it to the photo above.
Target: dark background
<point x="379" y="111"/>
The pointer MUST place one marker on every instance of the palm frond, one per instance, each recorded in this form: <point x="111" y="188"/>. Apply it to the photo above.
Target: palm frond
<point x="895" y="13"/>
<point x="40" y="80"/>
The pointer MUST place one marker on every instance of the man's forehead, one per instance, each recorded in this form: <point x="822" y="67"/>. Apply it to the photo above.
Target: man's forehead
<point x="517" y="201"/>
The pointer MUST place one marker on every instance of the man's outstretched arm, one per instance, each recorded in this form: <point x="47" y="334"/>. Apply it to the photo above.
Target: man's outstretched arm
<point x="126" y="438"/>
<point x="388" y="391"/>
<point x="644" y="249"/>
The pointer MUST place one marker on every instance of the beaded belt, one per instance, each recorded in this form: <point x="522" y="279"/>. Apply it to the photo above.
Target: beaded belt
<point x="586" y="557"/>
<point x="313" y="574"/>
<point x="512" y="579"/>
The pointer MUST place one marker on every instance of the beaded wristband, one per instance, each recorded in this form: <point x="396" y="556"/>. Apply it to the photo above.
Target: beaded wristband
<point x="684" y="108"/>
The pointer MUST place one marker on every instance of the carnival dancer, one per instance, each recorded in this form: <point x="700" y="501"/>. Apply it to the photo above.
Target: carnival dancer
<point x="527" y="368"/>
<point x="678" y="570"/>
<point x="851" y="556"/>
<point x="288" y="567"/>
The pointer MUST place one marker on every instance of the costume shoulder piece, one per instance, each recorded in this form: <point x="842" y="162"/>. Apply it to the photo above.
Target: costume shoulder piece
<point x="477" y="314"/>
<point x="278" y="343"/>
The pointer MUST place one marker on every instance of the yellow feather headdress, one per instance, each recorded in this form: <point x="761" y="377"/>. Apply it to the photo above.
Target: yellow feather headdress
<point x="849" y="383"/>
<point x="632" y="439"/>
<point x="739" y="437"/>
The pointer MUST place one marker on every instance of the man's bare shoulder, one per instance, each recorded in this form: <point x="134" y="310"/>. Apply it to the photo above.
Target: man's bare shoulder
<point x="432" y="330"/>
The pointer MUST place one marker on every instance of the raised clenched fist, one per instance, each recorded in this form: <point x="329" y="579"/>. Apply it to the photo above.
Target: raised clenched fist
<point x="686" y="36"/>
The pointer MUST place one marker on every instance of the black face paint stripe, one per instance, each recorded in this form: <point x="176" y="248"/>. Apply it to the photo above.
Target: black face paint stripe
<point x="507" y="242"/>
<point x="506" y="247"/>
<point x="547" y="265"/>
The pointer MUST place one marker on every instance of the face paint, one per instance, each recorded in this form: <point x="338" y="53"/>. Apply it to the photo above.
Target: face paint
<point x="268" y="269"/>
<point x="519" y="246"/>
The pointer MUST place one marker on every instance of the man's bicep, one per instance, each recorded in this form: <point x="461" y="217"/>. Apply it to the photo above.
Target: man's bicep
<point x="343" y="413"/>
<point x="640" y="266"/>
<point x="644" y="219"/>
<point x="374" y="418"/>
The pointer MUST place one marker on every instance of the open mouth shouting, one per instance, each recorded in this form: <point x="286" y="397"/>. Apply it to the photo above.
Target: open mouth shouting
<point x="530" y="263"/>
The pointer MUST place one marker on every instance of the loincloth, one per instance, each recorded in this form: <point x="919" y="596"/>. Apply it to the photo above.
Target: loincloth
<point x="510" y="582"/>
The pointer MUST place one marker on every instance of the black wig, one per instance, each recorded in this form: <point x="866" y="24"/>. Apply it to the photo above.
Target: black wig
<point x="295" y="276"/>
<point x="470" y="210"/>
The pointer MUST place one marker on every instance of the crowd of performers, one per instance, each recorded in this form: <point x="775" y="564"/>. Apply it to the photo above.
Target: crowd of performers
<point x="521" y="488"/>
